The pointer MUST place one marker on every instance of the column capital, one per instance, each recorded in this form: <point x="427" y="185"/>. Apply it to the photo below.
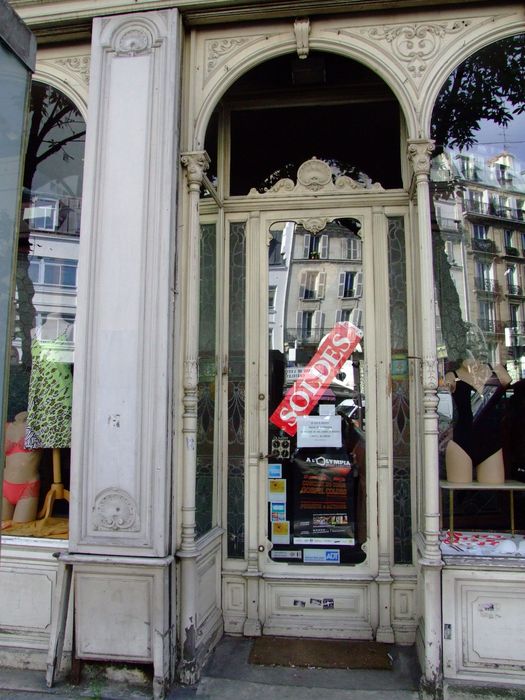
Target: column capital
<point x="196" y="164"/>
<point x="419" y="153"/>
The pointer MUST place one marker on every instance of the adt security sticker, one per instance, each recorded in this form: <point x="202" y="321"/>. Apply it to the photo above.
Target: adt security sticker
<point x="321" y="556"/>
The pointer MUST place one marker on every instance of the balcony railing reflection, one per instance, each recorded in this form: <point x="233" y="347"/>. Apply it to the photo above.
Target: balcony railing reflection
<point x="486" y="285"/>
<point x="488" y="325"/>
<point x="484" y="245"/>
<point x="473" y="207"/>
<point x="305" y="335"/>
<point x="511" y="250"/>
<point x="449" y="225"/>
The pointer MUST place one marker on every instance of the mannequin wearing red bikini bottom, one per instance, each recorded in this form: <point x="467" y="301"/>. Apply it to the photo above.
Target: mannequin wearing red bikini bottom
<point x="476" y="440"/>
<point x="21" y="486"/>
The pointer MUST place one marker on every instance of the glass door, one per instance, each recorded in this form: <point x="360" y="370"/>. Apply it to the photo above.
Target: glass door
<point x="317" y="387"/>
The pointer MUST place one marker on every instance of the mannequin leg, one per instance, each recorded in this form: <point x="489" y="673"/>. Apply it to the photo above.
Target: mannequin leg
<point x="25" y="510"/>
<point x="458" y="464"/>
<point x="492" y="469"/>
<point x="7" y="512"/>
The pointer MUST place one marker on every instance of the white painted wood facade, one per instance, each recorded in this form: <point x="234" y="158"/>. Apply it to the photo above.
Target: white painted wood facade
<point x="156" y="71"/>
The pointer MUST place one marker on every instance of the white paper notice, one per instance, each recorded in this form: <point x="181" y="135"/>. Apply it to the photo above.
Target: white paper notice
<point x="319" y="431"/>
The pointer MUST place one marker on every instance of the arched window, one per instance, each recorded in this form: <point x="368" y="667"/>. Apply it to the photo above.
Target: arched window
<point x="478" y="210"/>
<point x="38" y="432"/>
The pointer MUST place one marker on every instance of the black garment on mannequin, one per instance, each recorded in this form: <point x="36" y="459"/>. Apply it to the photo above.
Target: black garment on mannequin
<point x="478" y="431"/>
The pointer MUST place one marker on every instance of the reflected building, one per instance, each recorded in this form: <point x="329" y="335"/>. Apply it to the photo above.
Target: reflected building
<point x="480" y="220"/>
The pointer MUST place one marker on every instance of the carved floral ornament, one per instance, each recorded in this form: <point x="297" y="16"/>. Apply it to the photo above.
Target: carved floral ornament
<point x="196" y="164"/>
<point x="420" y="153"/>
<point x="417" y="45"/>
<point x="79" y="65"/>
<point x="115" y="509"/>
<point x="217" y="51"/>
<point x="315" y="177"/>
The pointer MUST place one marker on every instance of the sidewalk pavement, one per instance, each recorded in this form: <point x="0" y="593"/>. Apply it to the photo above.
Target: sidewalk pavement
<point x="229" y="676"/>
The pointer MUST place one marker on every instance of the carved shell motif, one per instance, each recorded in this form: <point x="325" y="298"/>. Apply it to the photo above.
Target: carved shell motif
<point x="115" y="509"/>
<point x="315" y="176"/>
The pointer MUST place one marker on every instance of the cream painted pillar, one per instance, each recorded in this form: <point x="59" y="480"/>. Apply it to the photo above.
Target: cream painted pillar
<point x="195" y="163"/>
<point x="385" y="524"/>
<point x="120" y="546"/>
<point x="419" y="152"/>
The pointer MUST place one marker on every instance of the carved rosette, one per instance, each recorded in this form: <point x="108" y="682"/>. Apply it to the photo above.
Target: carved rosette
<point x="196" y="164"/>
<point x="115" y="510"/>
<point x="79" y="65"/>
<point x="315" y="177"/>
<point x="417" y="45"/>
<point x="419" y="153"/>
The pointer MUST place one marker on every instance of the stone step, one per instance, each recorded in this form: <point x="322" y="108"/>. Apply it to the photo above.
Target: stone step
<point x="226" y="689"/>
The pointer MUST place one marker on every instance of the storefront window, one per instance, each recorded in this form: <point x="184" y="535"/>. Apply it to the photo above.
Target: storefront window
<point x="14" y="88"/>
<point x="207" y="380"/>
<point x="477" y="187"/>
<point x="38" y="431"/>
<point x="400" y="390"/>
<point x="236" y="388"/>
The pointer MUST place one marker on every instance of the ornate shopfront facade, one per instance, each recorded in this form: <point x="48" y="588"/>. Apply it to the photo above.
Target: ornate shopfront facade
<point x="254" y="443"/>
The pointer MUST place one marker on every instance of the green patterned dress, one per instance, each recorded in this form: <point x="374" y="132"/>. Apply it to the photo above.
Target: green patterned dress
<point x="50" y="397"/>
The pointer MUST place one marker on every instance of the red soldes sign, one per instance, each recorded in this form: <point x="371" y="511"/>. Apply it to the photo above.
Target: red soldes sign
<point x="302" y="397"/>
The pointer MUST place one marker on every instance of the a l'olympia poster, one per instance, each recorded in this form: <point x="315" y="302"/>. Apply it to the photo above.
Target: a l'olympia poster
<point x="324" y="511"/>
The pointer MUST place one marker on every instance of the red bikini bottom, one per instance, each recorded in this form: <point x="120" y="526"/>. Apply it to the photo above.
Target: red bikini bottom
<point x="16" y="492"/>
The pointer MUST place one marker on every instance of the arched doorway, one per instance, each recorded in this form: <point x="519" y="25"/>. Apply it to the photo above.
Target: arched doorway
<point x="302" y="251"/>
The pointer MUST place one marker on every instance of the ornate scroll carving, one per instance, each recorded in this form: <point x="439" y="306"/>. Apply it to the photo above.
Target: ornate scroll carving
<point x="196" y="164"/>
<point x="77" y="64"/>
<point x="314" y="225"/>
<point x="218" y="50"/>
<point x="429" y="374"/>
<point x="315" y="176"/>
<point x="417" y="45"/>
<point x="115" y="509"/>
<point x="301" y="29"/>
<point x="419" y="153"/>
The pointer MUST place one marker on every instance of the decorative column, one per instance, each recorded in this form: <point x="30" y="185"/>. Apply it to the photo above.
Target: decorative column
<point x="256" y="406"/>
<point x="419" y="152"/>
<point x="195" y="164"/>
<point x="120" y="545"/>
<point x="384" y="578"/>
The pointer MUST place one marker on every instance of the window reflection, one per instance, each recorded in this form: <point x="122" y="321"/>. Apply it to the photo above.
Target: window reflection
<point x="478" y="213"/>
<point x="316" y="425"/>
<point x="44" y="303"/>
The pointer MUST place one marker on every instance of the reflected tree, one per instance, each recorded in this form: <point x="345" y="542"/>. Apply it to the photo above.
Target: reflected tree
<point x="487" y="86"/>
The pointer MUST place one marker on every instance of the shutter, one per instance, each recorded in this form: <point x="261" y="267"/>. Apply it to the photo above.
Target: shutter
<point x="321" y="284"/>
<point x="341" y="293"/>
<point x="302" y="285"/>
<point x="338" y="315"/>
<point x="344" y="248"/>
<point x="358" y="285"/>
<point x="354" y="249"/>
<point x="306" y="246"/>
<point x="324" y="247"/>
<point x="299" y="325"/>
<point x="318" y="320"/>
<point x="356" y="317"/>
